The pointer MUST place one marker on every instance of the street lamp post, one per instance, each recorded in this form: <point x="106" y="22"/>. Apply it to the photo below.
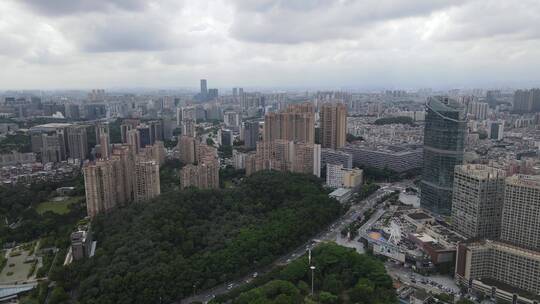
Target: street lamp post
<point x="312" y="276"/>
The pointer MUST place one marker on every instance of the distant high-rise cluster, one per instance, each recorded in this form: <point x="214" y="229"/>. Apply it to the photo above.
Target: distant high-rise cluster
<point x="474" y="108"/>
<point x="206" y="93"/>
<point x="124" y="173"/>
<point x="77" y="142"/>
<point x="285" y="155"/>
<point x="296" y="123"/>
<point x="55" y="142"/>
<point x="288" y="142"/>
<point x="444" y="140"/>
<point x="526" y="101"/>
<point x="96" y="95"/>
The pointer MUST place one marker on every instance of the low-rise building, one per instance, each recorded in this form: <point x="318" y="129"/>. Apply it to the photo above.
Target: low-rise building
<point x="339" y="177"/>
<point x="395" y="158"/>
<point x="81" y="242"/>
<point x="336" y="157"/>
<point x="342" y="195"/>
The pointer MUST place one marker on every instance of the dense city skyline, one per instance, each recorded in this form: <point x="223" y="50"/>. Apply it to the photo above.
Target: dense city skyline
<point x="269" y="151"/>
<point x="292" y="44"/>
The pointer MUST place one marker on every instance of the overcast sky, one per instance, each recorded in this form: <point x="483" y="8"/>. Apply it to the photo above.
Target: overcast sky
<point x="49" y="44"/>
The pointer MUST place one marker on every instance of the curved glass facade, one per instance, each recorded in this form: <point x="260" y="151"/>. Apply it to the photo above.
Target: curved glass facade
<point x="444" y="137"/>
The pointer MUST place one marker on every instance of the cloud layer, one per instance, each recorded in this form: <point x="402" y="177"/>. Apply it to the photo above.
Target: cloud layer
<point x="272" y="43"/>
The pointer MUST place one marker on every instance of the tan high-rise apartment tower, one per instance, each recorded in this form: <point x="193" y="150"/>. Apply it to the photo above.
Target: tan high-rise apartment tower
<point x="333" y="122"/>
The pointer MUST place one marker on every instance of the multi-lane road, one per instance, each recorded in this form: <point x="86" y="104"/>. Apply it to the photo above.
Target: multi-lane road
<point x="331" y="233"/>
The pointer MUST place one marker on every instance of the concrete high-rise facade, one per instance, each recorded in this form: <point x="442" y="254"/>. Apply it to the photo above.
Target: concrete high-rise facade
<point x="125" y="173"/>
<point x="156" y="152"/>
<point x="521" y="212"/>
<point x="333" y="122"/>
<point x="297" y="123"/>
<point x="522" y="101"/>
<point x="187" y="147"/>
<point x="513" y="262"/>
<point x="535" y="100"/>
<point x="104" y="139"/>
<point x="104" y="146"/>
<point x="285" y="155"/>
<point x="205" y="153"/>
<point x="146" y="180"/>
<point x="134" y="140"/>
<point x="492" y="265"/>
<point x="51" y="148"/>
<point x="124" y="129"/>
<point x="77" y="142"/>
<point x="477" y="201"/>
<point x="496" y="130"/>
<point x="102" y="128"/>
<point x="99" y="186"/>
<point x="205" y="174"/>
<point x="444" y="139"/>
<point x="526" y="101"/>
<point x="478" y="110"/>
<point x="189" y="128"/>
<point x="336" y="157"/>
<point x="307" y="159"/>
<point x="202" y="176"/>
<point x="232" y="119"/>
<point x="51" y="141"/>
<point x="126" y="126"/>
<point x="122" y="178"/>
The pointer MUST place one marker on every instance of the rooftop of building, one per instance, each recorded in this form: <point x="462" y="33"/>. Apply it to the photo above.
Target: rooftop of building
<point x="524" y="180"/>
<point x="505" y="246"/>
<point x="424" y="238"/>
<point x="340" y="192"/>
<point x="509" y="288"/>
<point x="480" y="171"/>
<point x="419" y="216"/>
<point x="53" y="125"/>
<point x="385" y="148"/>
<point x="444" y="104"/>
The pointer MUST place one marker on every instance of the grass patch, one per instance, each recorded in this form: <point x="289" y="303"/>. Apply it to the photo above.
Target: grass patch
<point x="61" y="207"/>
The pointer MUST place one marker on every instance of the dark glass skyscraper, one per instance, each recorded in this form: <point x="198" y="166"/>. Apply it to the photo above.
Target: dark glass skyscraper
<point x="251" y="134"/>
<point x="444" y="137"/>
